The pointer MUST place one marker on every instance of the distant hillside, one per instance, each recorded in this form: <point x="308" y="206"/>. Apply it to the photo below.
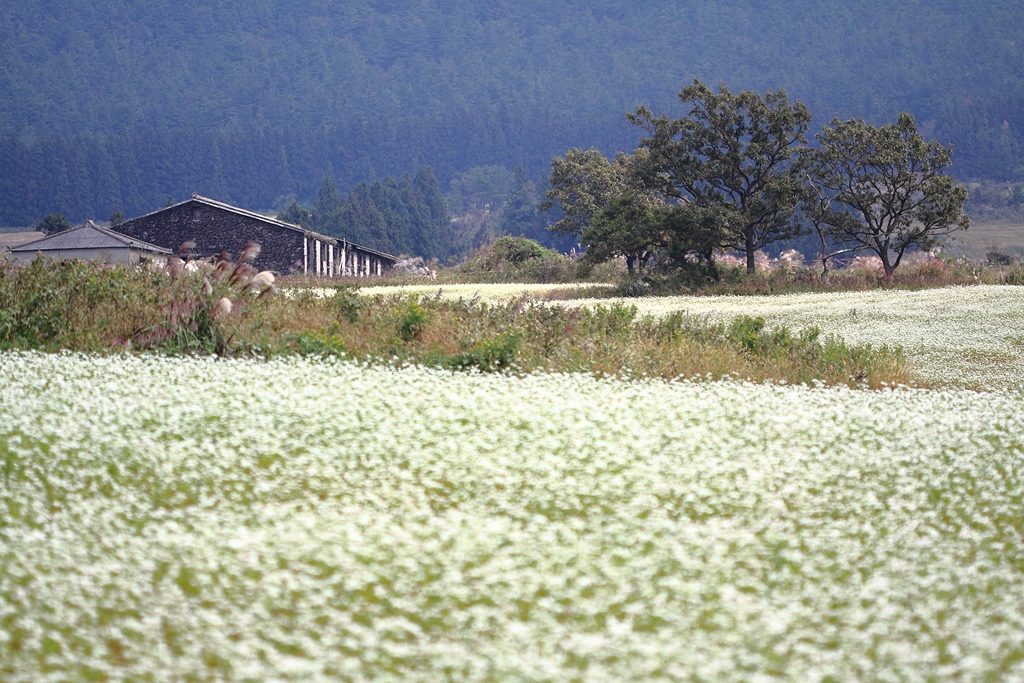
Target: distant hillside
<point x="116" y="105"/>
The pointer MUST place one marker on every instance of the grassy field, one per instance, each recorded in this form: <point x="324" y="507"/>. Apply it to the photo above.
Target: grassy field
<point x="17" y="237"/>
<point x="202" y="519"/>
<point x="1005" y="235"/>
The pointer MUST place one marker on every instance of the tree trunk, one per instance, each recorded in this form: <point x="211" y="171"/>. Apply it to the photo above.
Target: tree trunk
<point x="889" y="270"/>
<point x="751" y="264"/>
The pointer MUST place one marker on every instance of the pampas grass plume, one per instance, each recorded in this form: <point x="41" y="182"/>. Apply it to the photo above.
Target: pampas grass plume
<point x="241" y="273"/>
<point x="250" y="251"/>
<point x="221" y="270"/>
<point x="222" y="308"/>
<point x="262" y="279"/>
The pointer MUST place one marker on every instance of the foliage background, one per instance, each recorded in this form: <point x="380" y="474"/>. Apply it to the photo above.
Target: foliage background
<point x="117" y="105"/>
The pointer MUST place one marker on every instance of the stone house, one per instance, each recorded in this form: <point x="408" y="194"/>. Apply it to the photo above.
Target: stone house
<point x="285" y="248"/>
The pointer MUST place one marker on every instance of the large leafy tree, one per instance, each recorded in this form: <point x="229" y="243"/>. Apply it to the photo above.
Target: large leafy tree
<point x="583" y="183"/>
<point x="647" y="232"/>
<point x="615" y="213"/>
<point x="887" y="187"/>
<point x="732" y="154"/>
<point x="819" y="208"/>
<point x="627" y="228"/>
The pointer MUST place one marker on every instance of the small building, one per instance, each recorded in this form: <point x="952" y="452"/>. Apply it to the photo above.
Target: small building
<point x="89" y="242"/>
<point x="216" y="227"/>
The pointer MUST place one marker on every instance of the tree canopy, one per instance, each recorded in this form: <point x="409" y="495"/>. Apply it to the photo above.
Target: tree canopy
<point x="731" y="153"/>
<point x="735" y="173"/>
<point x="52" y="224"/>
<point x="887" y="187"/>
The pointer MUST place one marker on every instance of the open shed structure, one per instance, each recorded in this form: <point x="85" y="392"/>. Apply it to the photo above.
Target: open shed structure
<point x="89" y="242"/>
<point x="285" y="248"/>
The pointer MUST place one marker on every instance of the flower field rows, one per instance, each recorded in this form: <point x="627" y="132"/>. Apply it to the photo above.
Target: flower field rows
<point x="168" y="519"/>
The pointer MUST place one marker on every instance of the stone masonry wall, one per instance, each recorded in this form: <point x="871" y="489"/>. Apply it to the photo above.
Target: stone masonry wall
<point x="215" y="230"/>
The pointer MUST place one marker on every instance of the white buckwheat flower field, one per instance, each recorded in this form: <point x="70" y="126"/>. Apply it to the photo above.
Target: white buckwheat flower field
<point x="304" y="520"/>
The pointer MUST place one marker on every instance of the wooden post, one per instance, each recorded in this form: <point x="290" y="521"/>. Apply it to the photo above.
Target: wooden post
<point x="330" y="260"/>
<point x="305" y="255"/>
<point x="317" y="249"/>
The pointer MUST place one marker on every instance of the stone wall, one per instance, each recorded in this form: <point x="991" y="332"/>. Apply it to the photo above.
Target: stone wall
<point x="215" y="230"/>
<point x="283" y="250"/>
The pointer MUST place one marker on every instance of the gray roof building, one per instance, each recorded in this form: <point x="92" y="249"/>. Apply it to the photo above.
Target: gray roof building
<point x="90" y="242"/>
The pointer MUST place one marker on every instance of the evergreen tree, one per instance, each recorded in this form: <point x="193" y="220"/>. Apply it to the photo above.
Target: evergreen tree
<point x="61" y="192"/>
<point x="218" y="185"/>
<point x="296" y="215"/>
<point x="80" y="178"/>
<point x="328" y="200"/>
<point x="107" y="196"/>
<point x="428" y="193"/>
<point x="386" y="197"/>
<point x="123" y="155"/>
<point x="521" y="215"/>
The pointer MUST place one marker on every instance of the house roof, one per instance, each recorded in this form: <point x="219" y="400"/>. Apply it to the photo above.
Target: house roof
<point x="196" y="198"/>
<point x="89" y="236"/>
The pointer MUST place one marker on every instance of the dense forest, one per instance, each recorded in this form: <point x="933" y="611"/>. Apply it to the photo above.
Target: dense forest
<point x="397" y="215"/>
<point x="118" y="105"/>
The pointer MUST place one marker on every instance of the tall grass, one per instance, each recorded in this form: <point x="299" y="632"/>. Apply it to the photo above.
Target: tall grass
<point x="91" y="307"/>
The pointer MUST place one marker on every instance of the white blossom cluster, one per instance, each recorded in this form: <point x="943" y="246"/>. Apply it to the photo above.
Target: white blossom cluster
<point x="966" y="336"/>
<point x="310" y="520"/>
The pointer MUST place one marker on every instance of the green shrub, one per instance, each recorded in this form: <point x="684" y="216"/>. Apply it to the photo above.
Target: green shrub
<point x="517" y="251"/>
<point x="317" y="344"/>
<point x="348" y="303"/>
<point x="412" y="320"/>
<point x="489" y="355"/>
<point x="746" y="331"/>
